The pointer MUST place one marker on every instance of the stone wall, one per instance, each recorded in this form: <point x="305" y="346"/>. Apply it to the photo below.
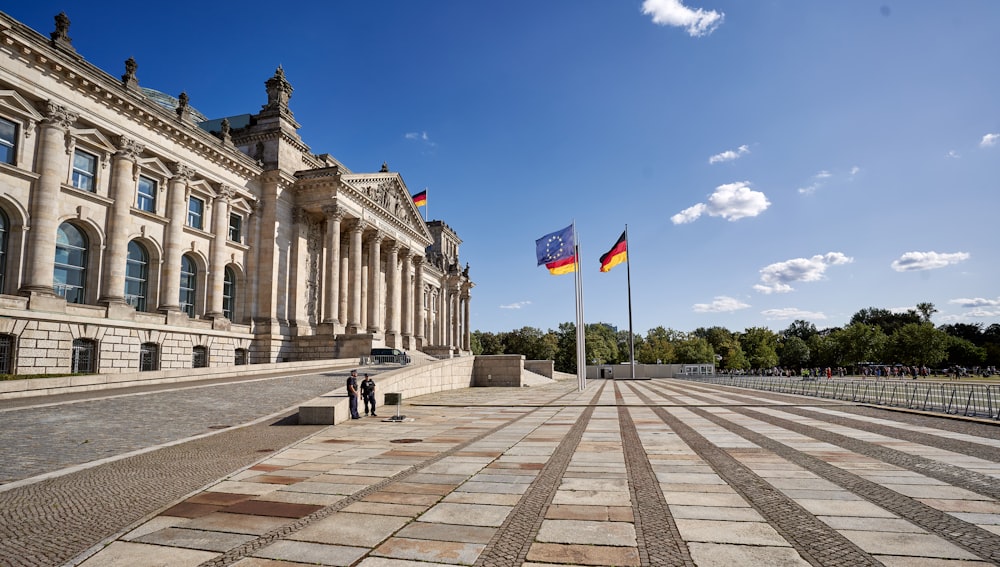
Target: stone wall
<point x="498" y="370"/>
<point x="543" y="367"/>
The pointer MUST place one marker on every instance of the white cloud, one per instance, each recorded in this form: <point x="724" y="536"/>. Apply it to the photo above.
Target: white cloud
<point x="673" y="13"/>
<point x="953" y="154"/>
<point x="975" y="302"/>
<point x="855" y="170"/>
<point x="689" y="214"/>
<point x="818" y="181"/>
<point x="914" y="261"/>
<point x="732" y="201"/>
<point x="516" y="305"/>
<point x="721" y="304"/>
<point x="777" y="277"/>
<point x="792" y="313"/>
<point x="420" y="137"/>
<point x="730" y="155"/>
<point x="989" y="140"/>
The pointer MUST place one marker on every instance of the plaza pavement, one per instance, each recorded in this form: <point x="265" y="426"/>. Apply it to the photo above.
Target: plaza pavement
<point x="654" y="472"/>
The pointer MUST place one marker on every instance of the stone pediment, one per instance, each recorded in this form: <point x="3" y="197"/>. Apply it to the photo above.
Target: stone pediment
<point x="386" y="191"/>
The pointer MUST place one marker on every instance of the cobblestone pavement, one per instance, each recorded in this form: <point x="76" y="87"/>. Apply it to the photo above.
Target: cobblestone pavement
<point x="42" y="435"/>
<point x="646" y="472"/>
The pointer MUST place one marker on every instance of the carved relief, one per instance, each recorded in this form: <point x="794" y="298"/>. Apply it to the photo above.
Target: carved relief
<point x="59" y="116"/>
<point x="314" y="255"/>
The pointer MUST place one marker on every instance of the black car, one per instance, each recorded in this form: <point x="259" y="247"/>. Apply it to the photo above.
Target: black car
<point x="390" y="356"/>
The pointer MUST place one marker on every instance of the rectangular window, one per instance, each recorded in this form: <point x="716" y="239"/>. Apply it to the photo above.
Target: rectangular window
<point x="196" y="212"/>
<point x="147" y="194"/>
<point x="235" y="227"/>
<point x="84" y="170"/>
<point x="8" y="134"/>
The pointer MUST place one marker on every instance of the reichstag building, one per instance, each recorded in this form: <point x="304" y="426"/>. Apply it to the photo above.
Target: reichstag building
<point x="138" y="234"/>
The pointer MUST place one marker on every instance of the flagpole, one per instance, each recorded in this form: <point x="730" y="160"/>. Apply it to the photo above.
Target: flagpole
<point x="628" y="278"/>
<point x="581" y="351"/>
<point x="426" y="214"/>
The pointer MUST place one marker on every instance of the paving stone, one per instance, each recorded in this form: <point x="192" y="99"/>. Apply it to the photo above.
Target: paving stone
<point x="312" y="553"/>
<point x="719" y="555"/>
<point x="364" y="530"/>
<point x="742" y="533"/>
<point x="430" y="550"/>
<point x="195" y="539"/>
<point x="587" y="532"/>
<point x="910" y="544"/>
<point x="129" y="554"/>
<point x="584" y="554"/>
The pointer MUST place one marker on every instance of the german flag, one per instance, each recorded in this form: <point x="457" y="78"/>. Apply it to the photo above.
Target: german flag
<point x="565" y="266"/>
<point x="420" y="199"/>
<point x="615" y="256"/>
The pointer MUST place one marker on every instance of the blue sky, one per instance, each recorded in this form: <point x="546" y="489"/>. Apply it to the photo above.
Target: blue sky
<point x="774" y="159"/>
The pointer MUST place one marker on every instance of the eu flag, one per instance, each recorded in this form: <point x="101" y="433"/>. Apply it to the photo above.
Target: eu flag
<point x="556" y="246"/>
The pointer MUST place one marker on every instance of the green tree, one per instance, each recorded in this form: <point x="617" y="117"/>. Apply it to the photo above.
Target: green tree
<point x="861" y="342"/>
<point x="565" y="360"/>
<point x="487" y="343"/>
<point x="532" y="343"/>
<point x="972" y="332"/>
<point x="760" y="346"/>
<point x="964" y="352"/>
<point x="919" y="344"/>
<point x="801" y="329"/>
<point x="887" y="320"/>
<point x="824" y="350"/>
<point x="925" y="309"/>
<point x="658" y="347"/>
<point x="602" y="344"/>
<point x="694" y="350"/>
<point x="793" y="352"/>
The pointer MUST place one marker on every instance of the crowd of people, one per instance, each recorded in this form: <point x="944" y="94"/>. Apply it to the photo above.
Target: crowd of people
<point x="865" y="371"/>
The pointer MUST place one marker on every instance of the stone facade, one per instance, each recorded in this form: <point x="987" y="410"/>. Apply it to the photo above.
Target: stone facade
<point x="137" y="234"/>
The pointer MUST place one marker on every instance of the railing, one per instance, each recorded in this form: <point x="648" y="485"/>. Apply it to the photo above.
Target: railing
<point x="971" y="400"/>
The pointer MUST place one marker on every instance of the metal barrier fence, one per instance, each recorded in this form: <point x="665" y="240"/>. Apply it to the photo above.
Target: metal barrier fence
<point x="959" y="398"/>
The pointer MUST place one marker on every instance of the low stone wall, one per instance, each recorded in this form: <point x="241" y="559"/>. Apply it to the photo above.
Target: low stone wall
<point x="88" y="382"/>
<point x="498" y="370"/>
<point x="544" y="367"/>
<point x="410" y="381"/>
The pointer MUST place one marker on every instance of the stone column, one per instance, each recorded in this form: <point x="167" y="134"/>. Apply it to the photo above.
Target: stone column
<point x="406" y="299"/>
<point x="177" y="213"/>
<point x="374" y="279"/>
<point x="124" y="174"/>
<point x="331" y="299"/>
<point x="392" y="301"/>
<point x="345" y="283"/>
<point x="296" y="287"/>
<point x="45" y="209"/>
<point x="354" y="314"/>
<point x="467" y="334"/>
<point x="217" y="271"/>
<point x="418" y="301"/>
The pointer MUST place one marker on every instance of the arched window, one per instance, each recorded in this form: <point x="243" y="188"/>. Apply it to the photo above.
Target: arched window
<point x="229" y="293"/>
<point x="84" y="356"/>
<point x="136" y="276"/>
<point x="4" y="232"/>
<point x="189" y="278"/>
<point x="149" y="357"/>
<point x="70" y="273"/>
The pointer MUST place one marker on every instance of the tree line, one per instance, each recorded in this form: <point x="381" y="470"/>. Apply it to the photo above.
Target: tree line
<point x="873" y="336"/>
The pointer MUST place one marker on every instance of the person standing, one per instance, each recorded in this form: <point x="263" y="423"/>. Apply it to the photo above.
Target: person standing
<point x="352" y="394"/>
<point x="368" y="394"/>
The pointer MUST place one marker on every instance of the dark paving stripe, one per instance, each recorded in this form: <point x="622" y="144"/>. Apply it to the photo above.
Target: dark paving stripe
<point x="659" y="539"/>
<point x="816" y="542"/>
<point x="956" y="476"/>
<point x="978" y="450"/>
<point x="281" y="532"/>
<point x="53" y="521"/>
<point x="974" y="539"/>
<point x="509" y="546"/>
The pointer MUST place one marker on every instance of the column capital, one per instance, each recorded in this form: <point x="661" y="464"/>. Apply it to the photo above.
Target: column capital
<point x="59" y="116"/>
<point x="334" y="212"/>
<point x="181" y="172"/>
<point x="226" y="193"/>
<point x="416" y="259"/>
<point x="376" y="237"/>
<point x="395" y="247"/>
<point x="128" y="149"/>
<point x="358" y="226"/>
